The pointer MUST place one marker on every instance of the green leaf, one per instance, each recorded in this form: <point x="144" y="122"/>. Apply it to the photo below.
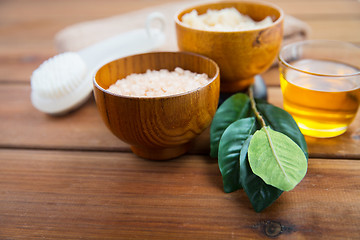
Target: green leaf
<point x="234" y="108"/>
<point x="277" y="159"/>
<point x="261" y="195"/>
<point x="281" y="121"/>
<point x="229" y="150"/>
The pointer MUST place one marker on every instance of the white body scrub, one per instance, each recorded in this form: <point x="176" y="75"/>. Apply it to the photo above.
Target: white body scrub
<point x="159" y="83"/>
<point x="227" y="19"/>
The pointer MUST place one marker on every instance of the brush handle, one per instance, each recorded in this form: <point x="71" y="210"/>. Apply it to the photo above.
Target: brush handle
<point x="129" y="43"/>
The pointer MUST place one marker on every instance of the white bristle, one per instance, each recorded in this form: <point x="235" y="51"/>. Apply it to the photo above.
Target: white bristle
<point x="65" y="82"/>
<point x="59" y="75"/>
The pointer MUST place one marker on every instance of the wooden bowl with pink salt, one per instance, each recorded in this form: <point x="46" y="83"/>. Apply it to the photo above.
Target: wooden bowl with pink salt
<point x="158" y="102"/>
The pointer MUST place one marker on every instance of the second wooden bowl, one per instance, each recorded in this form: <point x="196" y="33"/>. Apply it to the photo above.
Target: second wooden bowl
<point x="157" y="127"/>
<point x="240" y="54"/>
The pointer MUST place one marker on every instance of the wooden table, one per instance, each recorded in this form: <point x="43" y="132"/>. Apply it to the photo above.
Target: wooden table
<point x="69" y="177"/>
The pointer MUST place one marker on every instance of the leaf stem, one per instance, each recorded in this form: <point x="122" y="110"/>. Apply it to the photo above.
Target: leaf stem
<point x="253" y="106"/>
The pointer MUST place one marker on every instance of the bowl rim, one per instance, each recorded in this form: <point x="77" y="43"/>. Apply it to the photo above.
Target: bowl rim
<point x="315" y="41"/>
<point x="269" y="4"/>
<point x="216" y="76"/>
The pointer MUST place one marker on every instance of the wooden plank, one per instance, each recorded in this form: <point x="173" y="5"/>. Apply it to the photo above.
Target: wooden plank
<point x="27" y="28"/>
<point x="320" y="9"/>
<point x="19" y="60"/>
<point x="18" y="66"/>
<point x="22" y="126"/>
<point x="331" y="26"/>
<point x="272" y="77"/>
<point x="336" y="29"/>
<point x="26" y="20"/>
<point x="97" y="195"/>
<point x="82" y="182"/>
<point x="62" y="11"/>
<point x="82" y="129"/>
<point x="91" y="9"/>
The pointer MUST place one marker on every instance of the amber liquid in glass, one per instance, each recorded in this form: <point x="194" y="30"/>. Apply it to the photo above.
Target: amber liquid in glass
<point x="322" y="106"/>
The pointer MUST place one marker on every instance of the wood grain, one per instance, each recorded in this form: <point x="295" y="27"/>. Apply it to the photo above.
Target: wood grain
<point x="76" y="131"/>
<point x="70" y="178"/>
<point x="159" y="127"/>
<point x="61" y="194"/>
<point x="27" y="28"/>
<point x="240" y="54"/>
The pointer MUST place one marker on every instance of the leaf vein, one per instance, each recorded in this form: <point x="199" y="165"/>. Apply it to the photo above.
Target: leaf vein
<point x="275" y="154"/>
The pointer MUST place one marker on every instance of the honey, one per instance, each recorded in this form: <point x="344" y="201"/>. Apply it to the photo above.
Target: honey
<point x="322" y="105"/>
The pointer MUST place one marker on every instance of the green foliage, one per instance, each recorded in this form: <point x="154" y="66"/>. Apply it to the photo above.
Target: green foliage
<point x="281" y="121"/>
<point x="232" y="140"/>
<point x="276" y="159"/>
<point x="260" y="194"/>
<point x="236" y="107"/>
<point x="229" y="151"/>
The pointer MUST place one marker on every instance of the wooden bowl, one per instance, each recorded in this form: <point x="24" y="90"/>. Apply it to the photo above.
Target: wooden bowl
<point x="157" y="127"/>
<point x="240" y="54"/>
